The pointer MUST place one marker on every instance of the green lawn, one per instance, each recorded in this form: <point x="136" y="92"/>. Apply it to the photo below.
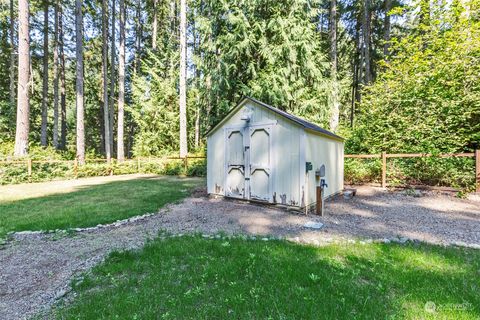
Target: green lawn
<point x="194" y="278"/>
<point x="86" y="202"/>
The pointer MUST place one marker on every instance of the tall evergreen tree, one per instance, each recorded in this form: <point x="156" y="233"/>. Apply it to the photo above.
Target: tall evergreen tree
<point x="183" y="79"/>
<point x="43" y="134"/>
<point x="80" y="130"/>
<point x="63" y="92"/>
<point x="106" y="112"/>
<point x="334" y="118"/>
<point x="121" y="85"/>
<point x="12" y="55"/>
<point x="23" y="96"/>
<point x="56" y="73"/>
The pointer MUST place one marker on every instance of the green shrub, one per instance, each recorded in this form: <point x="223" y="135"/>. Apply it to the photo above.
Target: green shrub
<point x="359" y="171"/>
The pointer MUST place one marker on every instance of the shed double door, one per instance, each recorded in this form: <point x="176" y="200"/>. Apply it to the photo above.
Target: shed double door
<point x="248" y="162"/>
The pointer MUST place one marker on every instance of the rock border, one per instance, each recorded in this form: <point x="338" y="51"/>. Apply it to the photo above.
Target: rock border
<point x="18" y="235"/>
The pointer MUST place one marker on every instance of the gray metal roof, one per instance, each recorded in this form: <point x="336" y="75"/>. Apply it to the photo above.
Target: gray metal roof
<point x="304" y="123"/>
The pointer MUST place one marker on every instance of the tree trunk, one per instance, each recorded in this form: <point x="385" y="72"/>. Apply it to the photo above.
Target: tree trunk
<point x="366" y="40"/>
<point x="105" y="79"/>
<point x="183" y="79"/>
<point x="12" y="56"/>
<point x="23" y="99"/>
<point x="357" y="69"/>
<point x="43" y="130"/>
<point x="121" y="85"/>
<point x="334" y="119"/>
<point x="79" y="82"/>
<point x="387" y="27"/>
<point x="155" y="24"/>
<point x="63" y="100"/>
<point x="138" y="36"/>
<point x="55" y="77"/>
<point x="111" y="109"/>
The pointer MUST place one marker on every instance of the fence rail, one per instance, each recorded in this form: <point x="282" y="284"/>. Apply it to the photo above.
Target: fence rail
<point x="29" y="162"/>
<point x="384" y="156"/>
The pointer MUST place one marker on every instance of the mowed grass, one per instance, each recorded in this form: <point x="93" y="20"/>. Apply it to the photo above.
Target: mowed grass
<point x="194" y="278"/>
<point x="87" y="202"/>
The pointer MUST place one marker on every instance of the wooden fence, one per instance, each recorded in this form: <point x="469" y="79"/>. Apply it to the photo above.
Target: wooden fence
<point x="382" y="156"/>
<point x="29" y="162"/>
<point x="385" y="155"/>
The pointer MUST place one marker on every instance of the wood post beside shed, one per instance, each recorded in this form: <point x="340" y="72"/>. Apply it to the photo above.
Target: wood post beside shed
<point x="477" y="170"/>
<point x="29" y="167"/>
<point x="384" y="169"/>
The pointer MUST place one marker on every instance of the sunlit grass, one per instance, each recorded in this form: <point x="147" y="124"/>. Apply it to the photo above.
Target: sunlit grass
<point x="86" y="204"/>
<point x="195" y="278"/>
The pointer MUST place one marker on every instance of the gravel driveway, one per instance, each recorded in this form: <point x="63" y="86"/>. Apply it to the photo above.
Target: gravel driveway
<point x="37" y="268"/>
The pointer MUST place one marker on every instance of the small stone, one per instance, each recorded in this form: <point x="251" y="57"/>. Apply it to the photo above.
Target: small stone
<point x="403" y="240"/>
<point x="313" y="225"/>
<point x="386" y="240"/>
<point x="264" y="239"/>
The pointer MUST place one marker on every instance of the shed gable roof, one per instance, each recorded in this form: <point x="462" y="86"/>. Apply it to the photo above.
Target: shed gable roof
<point x="302" y="122"/>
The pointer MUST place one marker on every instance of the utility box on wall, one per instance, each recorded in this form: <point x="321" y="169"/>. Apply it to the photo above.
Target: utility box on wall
<point x="261" y="153"/>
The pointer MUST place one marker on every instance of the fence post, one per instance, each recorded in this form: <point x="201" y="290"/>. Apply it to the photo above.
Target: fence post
<point x="29" y="167"/>
<point x="384" y="169"/>
<point x="75" y="167"/>
<point x="112" y="163"/>
<point x="477" y="170"/>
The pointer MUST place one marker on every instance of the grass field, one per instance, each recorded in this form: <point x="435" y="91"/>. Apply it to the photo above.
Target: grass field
<point x="194" y="278"/>
<point x="86" y="202"/>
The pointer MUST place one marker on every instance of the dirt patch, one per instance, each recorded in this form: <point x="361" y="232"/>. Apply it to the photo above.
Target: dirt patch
<point x="37" y="268"/>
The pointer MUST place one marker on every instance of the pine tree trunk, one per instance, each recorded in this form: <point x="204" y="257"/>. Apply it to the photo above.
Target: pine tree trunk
<point x="111" y="109"/>
<point x="366" y="40"/>
<point x="12" y="56"/>
<point x="79" y="82"/>
<point x="183" y="79"/>
<point x="138" y="36"/>
<point x="121" y="85"/>
<point x="155" y="25"/>
<point x="55" y="78"/>
<point x="334" y="119"/>
<point x="106" y="115"/>
<point x="387" y="27"/>
<point x="43" y="130"/>
<point x="63" y="101"/>
<point x="357" y="69"/>
<point x="23" y="98"/>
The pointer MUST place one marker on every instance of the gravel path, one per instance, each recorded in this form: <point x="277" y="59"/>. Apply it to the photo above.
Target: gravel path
<point x="37" y="268"/>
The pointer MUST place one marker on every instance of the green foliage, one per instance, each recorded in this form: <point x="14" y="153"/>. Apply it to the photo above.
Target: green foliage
<point x="192" y="277"/>
<point x="270" y="51"/>
<point x="428" y="97"/>
<point x="358" y="171"/>
<point x="426" y="100"/>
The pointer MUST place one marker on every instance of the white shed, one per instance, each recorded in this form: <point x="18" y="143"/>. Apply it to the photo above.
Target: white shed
<point x="258" y="152"/>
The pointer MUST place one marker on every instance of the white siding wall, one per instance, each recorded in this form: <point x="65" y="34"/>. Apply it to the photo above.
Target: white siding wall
<point x="285" y="154"/>
<point x="322" y="150"/>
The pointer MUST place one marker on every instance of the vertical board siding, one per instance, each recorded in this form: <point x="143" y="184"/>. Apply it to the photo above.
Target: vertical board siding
<point x="291" y="147"/>
<point x="321" y="150"/>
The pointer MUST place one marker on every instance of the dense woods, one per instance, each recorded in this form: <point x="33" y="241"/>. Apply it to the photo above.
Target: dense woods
<point x="144" y="78"/>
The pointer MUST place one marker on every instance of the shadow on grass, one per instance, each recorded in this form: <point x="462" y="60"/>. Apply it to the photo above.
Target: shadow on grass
<point x="90" y="205"/>
<point x="190" y="277"/>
